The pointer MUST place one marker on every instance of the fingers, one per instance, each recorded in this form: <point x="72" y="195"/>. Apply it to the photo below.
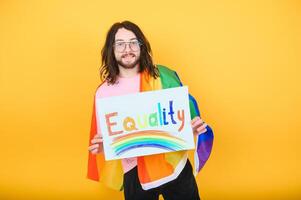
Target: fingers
<point x="96" y="140"/>
<point x="198" y="125"/>
<point x="197" y="118"/>
<point x="201" y="130"/>
<point x="97" y="136"/>
<point x="94" y="149"/>
<point x="201" y="127"/>
<point x="197" y="121"/>
<point x="95" y="146"/>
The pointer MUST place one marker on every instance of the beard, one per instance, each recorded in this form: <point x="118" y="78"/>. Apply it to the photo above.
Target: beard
<point x="128" y="65"/>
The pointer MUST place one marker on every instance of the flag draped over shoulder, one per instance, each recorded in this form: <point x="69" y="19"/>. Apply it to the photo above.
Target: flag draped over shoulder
<point x="153" y="170"/>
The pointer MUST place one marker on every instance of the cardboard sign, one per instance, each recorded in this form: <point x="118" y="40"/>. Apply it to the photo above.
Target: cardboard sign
<point x="145" y="123"/>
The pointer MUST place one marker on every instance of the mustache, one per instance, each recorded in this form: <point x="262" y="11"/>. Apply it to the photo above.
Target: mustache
<point x="127" y="54"/>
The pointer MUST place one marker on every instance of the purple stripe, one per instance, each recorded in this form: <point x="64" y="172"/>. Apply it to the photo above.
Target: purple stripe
<point x="204" y="147"/>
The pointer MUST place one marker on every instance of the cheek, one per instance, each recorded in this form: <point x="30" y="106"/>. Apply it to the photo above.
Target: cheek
<point x="138" y="54"/>
<point x="117" y="55"/>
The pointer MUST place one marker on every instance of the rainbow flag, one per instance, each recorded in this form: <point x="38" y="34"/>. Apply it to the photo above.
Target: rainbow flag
<point x="170" y="164"/>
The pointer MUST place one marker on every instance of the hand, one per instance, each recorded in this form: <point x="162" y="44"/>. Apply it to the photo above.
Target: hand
<point x="96" y="144"/>
<point x="198" y="125"/>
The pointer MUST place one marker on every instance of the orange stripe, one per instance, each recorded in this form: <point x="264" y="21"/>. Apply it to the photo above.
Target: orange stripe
<point x="142" y="173"/>
<point x="155" y="167"/>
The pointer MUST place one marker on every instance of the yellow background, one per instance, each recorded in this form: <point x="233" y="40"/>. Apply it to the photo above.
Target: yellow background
<point x="241" y="60"/>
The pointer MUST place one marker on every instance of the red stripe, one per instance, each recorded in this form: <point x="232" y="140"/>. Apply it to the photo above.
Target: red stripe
<point x="92" y="164"/>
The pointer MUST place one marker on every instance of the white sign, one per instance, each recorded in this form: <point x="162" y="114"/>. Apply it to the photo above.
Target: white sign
<point x="145" y="123"/>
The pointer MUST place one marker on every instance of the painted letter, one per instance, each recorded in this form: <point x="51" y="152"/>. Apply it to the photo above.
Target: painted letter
<point x="153" y="119"/>
<point x="171" y="112"/>
<point x="109" y="124"/>
<point x="181" y="117"/>
<point x="164" y="117"/>
<point x="160" y="114"/>
<point x="144" y="125"/>
<point x="129" y="124"/>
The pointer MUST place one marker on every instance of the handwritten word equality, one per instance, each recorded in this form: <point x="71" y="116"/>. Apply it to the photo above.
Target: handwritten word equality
<point x="159" y="118"/>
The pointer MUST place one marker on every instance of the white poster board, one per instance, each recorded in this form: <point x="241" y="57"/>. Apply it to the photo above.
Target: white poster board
<point x="145" y="123"/>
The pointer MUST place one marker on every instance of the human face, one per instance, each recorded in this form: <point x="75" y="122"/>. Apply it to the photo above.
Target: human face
<point x="129" y="58"/>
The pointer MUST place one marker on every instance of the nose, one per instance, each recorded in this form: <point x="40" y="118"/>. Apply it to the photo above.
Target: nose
<point x="127" y="47"/>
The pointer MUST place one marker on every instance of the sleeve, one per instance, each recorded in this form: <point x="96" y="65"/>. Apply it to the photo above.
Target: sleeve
<point x="204" y="141"/>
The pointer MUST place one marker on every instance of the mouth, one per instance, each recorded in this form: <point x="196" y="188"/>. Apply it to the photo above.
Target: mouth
<point x="129" y="55"/>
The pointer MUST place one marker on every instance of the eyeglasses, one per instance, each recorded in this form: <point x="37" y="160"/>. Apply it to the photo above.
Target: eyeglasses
<point x="120" y="46"/>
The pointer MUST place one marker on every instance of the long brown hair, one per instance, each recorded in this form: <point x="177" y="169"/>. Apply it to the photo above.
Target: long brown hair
<point x="109" y="67"/>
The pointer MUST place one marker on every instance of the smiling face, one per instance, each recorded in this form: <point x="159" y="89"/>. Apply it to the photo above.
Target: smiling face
<point x="129" y="57"/>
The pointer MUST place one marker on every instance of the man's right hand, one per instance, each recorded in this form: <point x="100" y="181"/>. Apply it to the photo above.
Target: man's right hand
<point x="96" y="145"/>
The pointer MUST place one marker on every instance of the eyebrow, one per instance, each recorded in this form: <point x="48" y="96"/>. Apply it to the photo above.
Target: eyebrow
<point x="120" y="40"/>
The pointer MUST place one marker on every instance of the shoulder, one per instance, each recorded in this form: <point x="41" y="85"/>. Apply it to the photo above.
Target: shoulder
<point x="169" y="77"/>
<point x="165" y="70"/>
<point x="100" y="88"/>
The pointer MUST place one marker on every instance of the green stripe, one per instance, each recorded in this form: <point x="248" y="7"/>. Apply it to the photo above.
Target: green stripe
<point x="168" y="77"/>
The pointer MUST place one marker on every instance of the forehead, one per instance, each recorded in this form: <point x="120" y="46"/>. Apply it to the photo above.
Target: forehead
<point x="124" y="34"/>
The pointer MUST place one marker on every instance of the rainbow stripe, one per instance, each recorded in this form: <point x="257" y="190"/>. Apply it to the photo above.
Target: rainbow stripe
<point x="149" y="138"/>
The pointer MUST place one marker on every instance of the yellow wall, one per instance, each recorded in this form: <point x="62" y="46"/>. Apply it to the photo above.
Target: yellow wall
<point x="241" y="60"/>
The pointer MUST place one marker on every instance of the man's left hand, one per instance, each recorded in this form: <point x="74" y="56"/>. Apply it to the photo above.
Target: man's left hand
<point x="198" y="125"/>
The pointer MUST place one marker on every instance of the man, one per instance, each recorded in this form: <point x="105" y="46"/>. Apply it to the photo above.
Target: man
<point x="127" y="67"/>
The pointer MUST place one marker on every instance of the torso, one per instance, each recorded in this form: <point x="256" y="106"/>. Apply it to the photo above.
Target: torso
<point x="123" y="86"/>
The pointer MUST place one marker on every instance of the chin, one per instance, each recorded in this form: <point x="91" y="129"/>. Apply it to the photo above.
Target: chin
<point x="129" y="65"/>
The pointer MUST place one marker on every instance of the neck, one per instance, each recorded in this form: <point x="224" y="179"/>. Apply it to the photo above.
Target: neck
<point x="128" y="73"/>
